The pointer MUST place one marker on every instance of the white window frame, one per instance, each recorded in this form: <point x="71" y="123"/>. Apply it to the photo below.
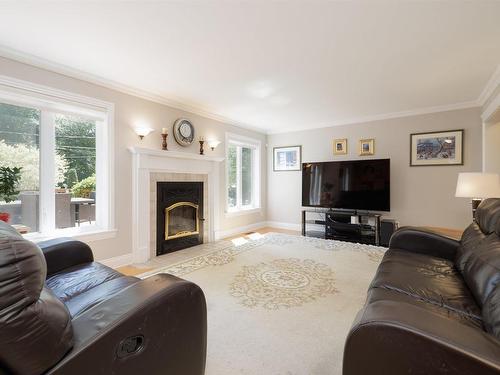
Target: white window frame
<point x="51" y="101"/>
<point x="255" y="145"/>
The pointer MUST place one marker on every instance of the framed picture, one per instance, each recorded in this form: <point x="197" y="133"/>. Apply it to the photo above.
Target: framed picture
<point x="366" y="147"/>
<point x="340" y="146"/>
<point x="437" y="148"/>
<point x="287" y="158"/>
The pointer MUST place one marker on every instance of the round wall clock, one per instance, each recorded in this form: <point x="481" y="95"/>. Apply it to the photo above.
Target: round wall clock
<point x="183" y="132"/>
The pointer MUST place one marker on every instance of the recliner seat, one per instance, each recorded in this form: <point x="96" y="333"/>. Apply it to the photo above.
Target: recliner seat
<point x="62" y="313"/>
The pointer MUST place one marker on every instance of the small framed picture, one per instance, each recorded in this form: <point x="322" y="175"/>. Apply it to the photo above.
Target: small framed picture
<point x="366" y="147"/>
<point x="287" y="158"/>
<point x="437" y="148"/>
<point x="340" y="146"/>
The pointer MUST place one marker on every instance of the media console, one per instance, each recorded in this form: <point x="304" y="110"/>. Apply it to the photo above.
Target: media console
<point x="338" y="225"/>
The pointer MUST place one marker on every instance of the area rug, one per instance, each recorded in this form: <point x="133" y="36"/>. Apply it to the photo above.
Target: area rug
<point x="280" y="304"/>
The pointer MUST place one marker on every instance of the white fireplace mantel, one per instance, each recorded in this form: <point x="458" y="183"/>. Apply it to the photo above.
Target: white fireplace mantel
<point x="146" y="161"/>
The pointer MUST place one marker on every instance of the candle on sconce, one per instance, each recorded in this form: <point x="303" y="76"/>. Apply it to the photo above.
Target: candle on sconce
<point x="164" y="135"/>
<point x="202" y="141"/>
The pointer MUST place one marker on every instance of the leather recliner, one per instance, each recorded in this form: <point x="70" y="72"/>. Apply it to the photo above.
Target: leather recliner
<point x="434" y="304"/>
<point x="62" y="313"/>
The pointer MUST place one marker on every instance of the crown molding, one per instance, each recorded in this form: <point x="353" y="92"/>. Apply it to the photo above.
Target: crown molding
<point x="491" y="112"/>
<point x="384" y="116"/>
<point x="490" y="86"/>
<point x="176" y="103"/>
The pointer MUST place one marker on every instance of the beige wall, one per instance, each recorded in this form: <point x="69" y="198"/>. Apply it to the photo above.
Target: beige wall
<point x="491" y="134"/>
<point x="129" y="109"/>
<point x="419" y="195"/>
<point x="492" y="148"/>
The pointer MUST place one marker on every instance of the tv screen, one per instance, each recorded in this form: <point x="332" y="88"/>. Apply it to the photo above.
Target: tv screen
<point x="354" y="184"/>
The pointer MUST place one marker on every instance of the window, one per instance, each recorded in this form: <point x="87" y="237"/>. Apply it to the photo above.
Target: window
<point x="242" y="173"/>
<point x="58" y="151"/>
<point x="20" y="147"/>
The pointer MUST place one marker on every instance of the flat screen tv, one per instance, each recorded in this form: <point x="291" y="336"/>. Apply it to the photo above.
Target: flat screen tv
<point x="353" y="184"/>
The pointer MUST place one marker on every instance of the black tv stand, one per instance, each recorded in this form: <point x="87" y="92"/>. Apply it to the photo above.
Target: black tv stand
<point x="337" y="225"/>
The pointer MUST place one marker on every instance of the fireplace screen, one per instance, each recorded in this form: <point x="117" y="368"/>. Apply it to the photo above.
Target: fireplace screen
<point x="181" y="220"/>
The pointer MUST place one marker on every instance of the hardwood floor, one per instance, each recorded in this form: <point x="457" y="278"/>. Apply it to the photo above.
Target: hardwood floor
<point x="456" y="234"/>
<point x="263" y="231"/>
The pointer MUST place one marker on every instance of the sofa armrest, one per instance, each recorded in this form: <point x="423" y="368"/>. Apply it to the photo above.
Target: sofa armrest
<point x="155" y="326"/>
<point x="394" y="338"/>
<point x="62" y="253"/>
<point x="424" y="241"/>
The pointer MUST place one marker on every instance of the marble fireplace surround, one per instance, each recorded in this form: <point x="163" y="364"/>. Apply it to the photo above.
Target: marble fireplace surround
<point x="152" y="166"/>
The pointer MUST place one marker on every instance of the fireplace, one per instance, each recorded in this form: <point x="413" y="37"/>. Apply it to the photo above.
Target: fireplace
<point x="180" y="219"/>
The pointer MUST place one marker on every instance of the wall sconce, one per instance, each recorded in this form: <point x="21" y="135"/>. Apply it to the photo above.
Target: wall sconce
<point x="142" y="131"/>
<point x="213" y="143"/>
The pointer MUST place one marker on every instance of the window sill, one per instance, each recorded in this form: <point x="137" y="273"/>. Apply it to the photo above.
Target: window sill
<point x="243" y="211"/>
<point x="88" y="234"/>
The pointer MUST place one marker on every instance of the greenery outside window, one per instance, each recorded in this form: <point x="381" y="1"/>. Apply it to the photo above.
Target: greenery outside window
<point x="242" y="174"/>
<point x="62" y="151"/>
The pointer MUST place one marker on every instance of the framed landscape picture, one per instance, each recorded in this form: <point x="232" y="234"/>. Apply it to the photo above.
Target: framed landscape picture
<point x="366" y="147"/>
<point x="340" y="146"/>
<point x="287" y="158"/>
<point x="437" y="148"/>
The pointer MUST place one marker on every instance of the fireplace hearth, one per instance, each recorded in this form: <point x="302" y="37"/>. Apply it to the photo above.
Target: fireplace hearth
<point x="179" y="216"/>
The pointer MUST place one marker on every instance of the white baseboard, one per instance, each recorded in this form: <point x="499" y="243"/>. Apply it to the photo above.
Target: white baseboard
<point x="119" y="261"/>
<point x="246" y="228"/>
<point x="261" y="224"/>
<point x="280" y="225"/>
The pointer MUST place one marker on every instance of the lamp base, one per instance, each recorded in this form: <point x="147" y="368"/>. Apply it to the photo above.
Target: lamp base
<point x="475" y="204"/>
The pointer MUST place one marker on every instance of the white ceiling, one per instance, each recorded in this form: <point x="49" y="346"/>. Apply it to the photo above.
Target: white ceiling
<point x="276" y="66"/>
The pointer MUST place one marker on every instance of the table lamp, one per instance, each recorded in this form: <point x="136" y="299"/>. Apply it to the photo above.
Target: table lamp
<point x="478" y="186"/>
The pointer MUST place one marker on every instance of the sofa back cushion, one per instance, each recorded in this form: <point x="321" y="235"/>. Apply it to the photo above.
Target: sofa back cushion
<point x="482" y="270"/>
<point x="35" y="326"/>
<point x="488" y="214"/>
<point x="486" y="218"/>
<point x="491" y="307"/>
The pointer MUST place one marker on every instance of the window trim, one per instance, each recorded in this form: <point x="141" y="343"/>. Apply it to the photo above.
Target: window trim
<point x="255" y="144"/>
<point x="23" y="93"/>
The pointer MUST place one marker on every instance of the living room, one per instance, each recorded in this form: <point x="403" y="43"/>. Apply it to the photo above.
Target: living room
<point x="214" y="187"/>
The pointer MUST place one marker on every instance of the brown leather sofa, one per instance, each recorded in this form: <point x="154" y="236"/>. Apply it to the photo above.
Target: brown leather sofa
<point x="434" y="304"/>
<point x="62" y="313"/>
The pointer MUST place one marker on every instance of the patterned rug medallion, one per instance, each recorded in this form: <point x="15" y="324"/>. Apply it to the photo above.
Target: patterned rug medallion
<point x="282" y="283"/>
<point x="280" y="304"/>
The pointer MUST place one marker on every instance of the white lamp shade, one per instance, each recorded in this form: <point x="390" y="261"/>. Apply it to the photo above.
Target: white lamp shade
<point x="478" y="185"/>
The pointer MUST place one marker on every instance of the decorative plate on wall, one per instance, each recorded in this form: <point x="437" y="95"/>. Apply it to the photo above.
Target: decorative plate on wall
<point x="183" y="132"/>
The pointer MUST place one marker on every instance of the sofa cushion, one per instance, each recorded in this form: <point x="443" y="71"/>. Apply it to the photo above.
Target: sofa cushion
<point x="83" y="286"/>
<point x="35" y="326"/>
<point x="482" y="269"/>
<point x="491" y="312"/>
<point x="472" y="236"/>
<point x="428" y="279"/>
<point x="79" y="279"/>
<point x="80" y="303"/>
<point x="488" y="215"/>
<point x="376" y="294"/>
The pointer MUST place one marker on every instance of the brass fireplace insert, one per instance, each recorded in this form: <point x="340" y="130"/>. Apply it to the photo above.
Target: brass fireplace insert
<point x="181" y="220"/>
